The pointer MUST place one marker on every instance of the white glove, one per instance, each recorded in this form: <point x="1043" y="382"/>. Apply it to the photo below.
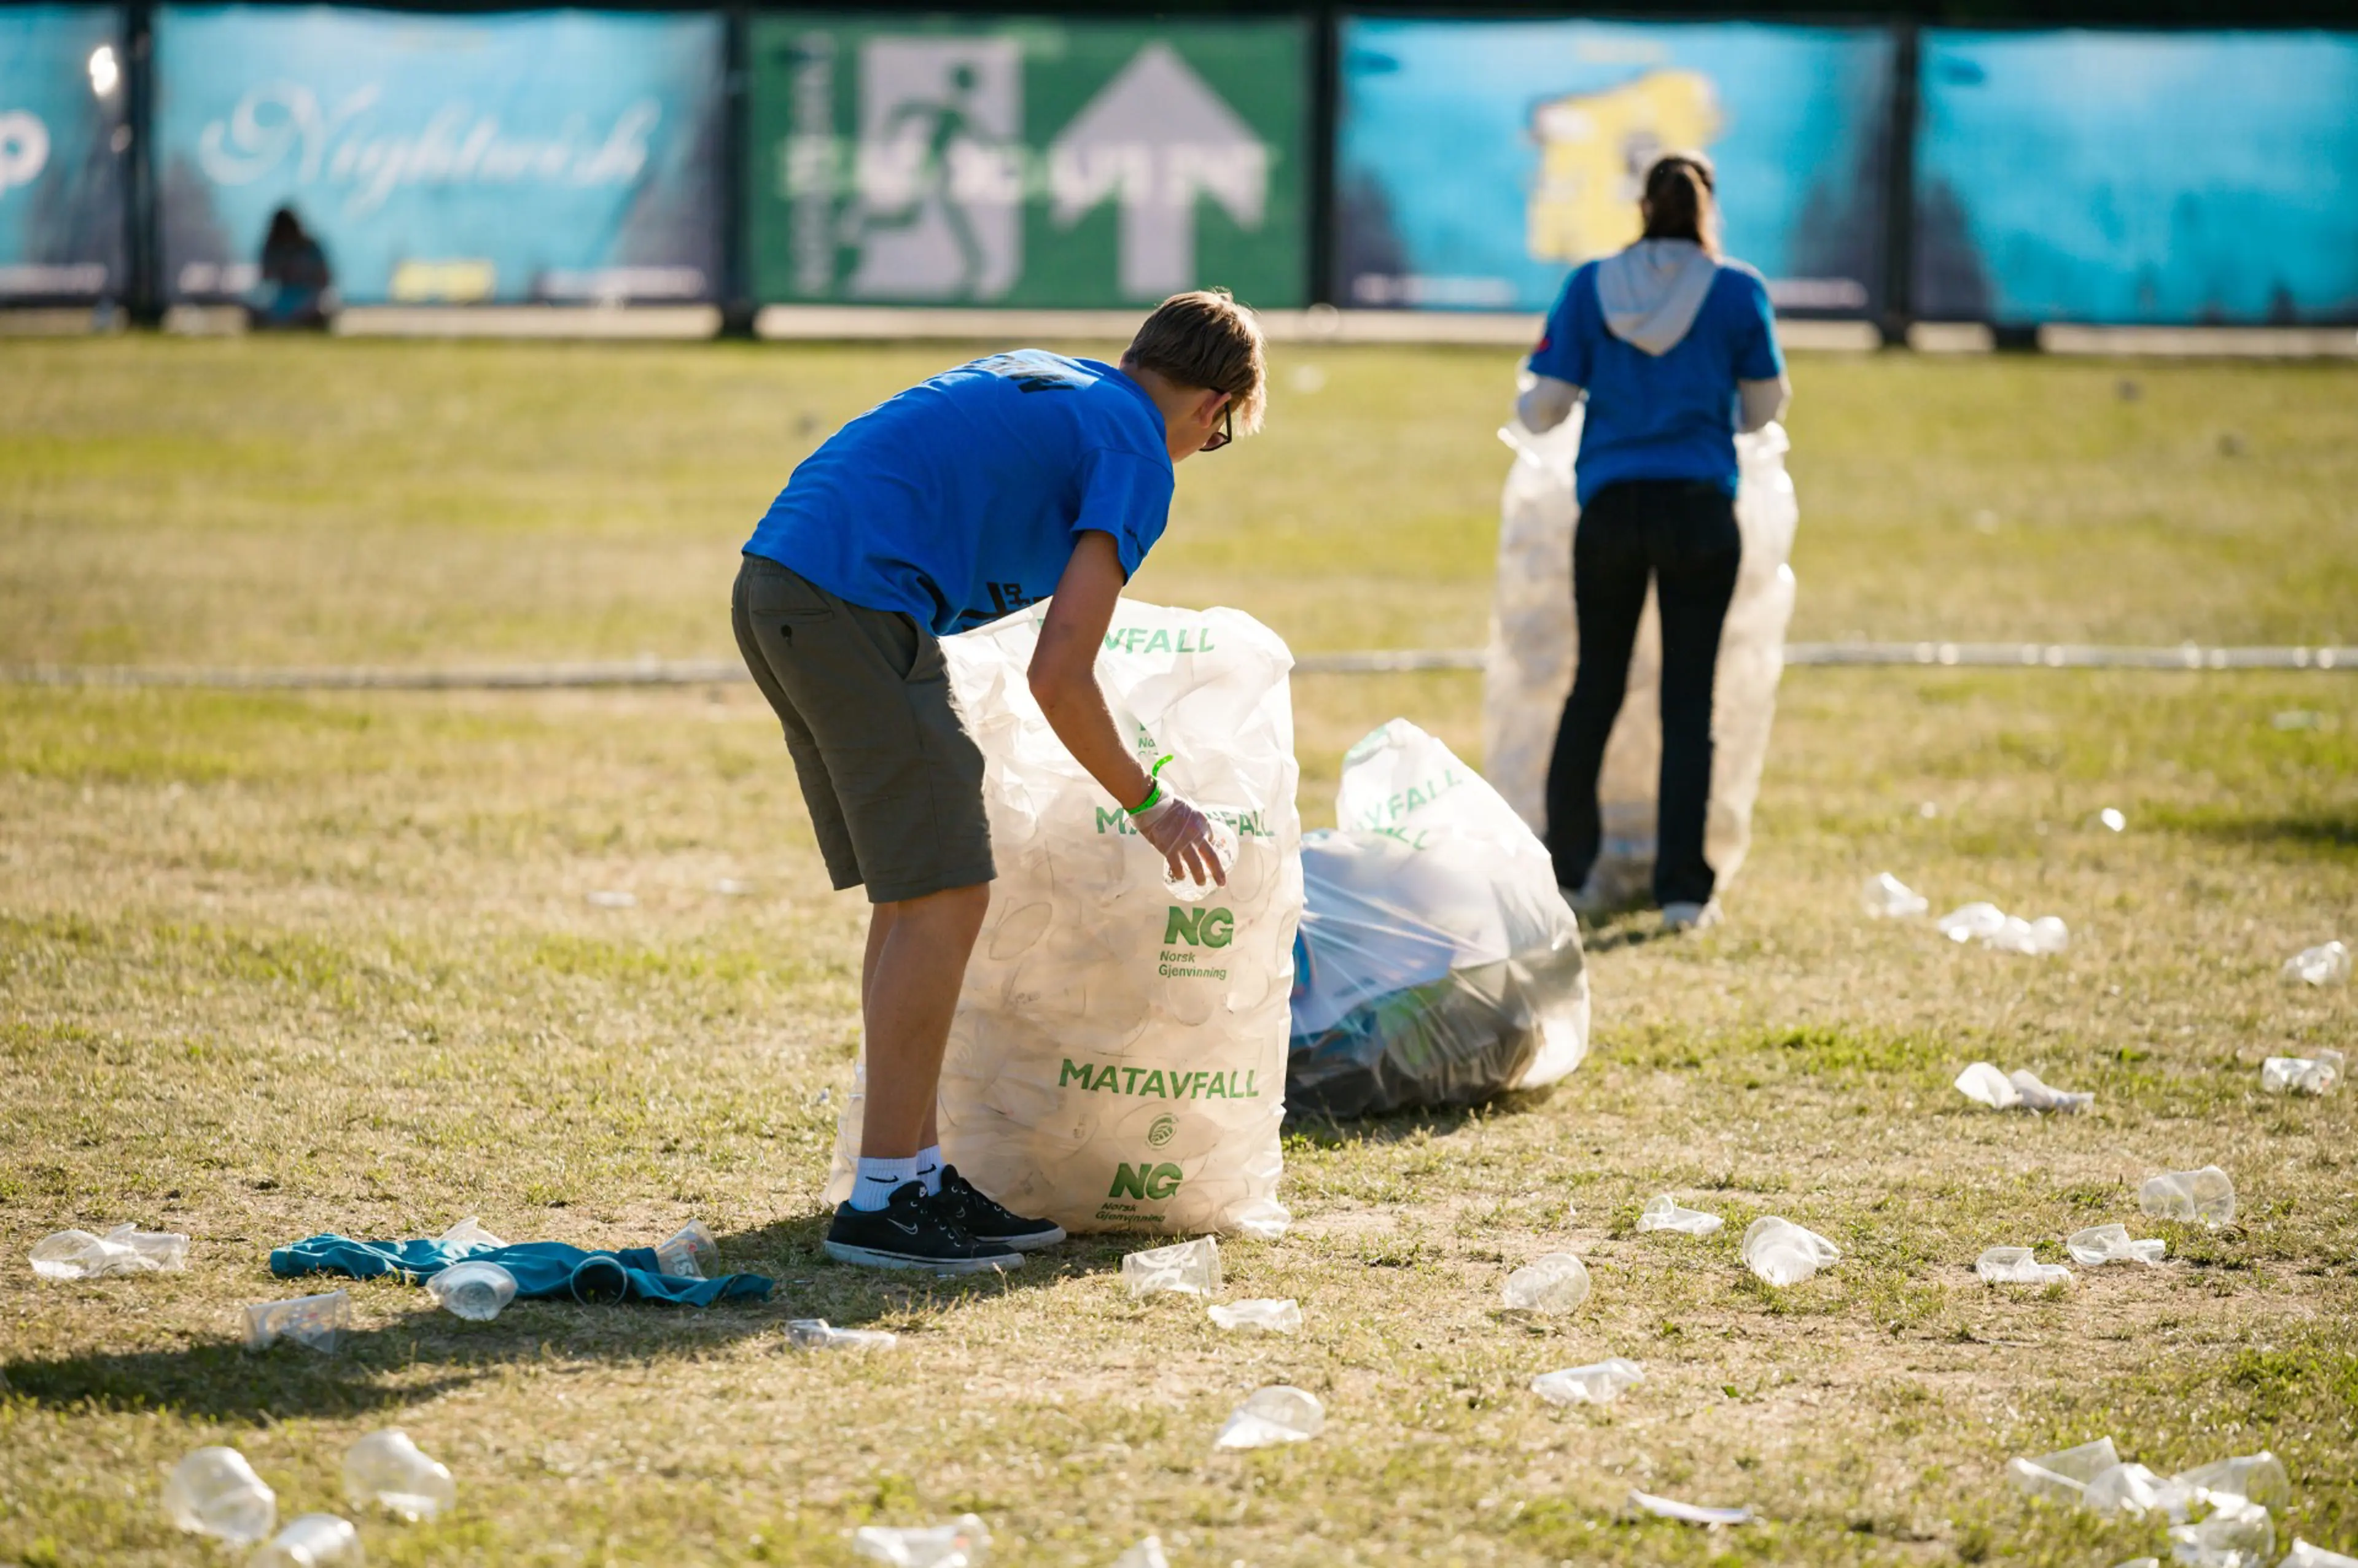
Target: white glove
<point x="1183" y="835"/>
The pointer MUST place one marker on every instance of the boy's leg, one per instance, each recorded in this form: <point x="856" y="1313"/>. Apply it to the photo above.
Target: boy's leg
<point x="917" y="951"/>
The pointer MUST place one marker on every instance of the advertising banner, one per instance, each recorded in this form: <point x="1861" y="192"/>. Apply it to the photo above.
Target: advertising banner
<point x="2181" y="178"/>
<point x="62" y="144"/>
<point x="563" y="155"/>
<point x="1037" y="163"/>
<point x="1479" y="162"/>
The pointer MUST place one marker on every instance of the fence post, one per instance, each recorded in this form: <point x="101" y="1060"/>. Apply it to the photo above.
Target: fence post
<point x="1899" y="189"/>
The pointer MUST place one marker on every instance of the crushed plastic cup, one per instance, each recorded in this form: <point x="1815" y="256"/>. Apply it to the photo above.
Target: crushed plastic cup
<point x="2021" y="1089"/>
<point x="2131" y="1489"/>
<point x="1663" y="1213"/>
<point x="2324" y="965"/>
<point x="1972" y="922"/>
<point x="1192" y="1268"/>
<point x="2016" y="1266"/>
<point x="2238" y="1532"/>
<point x="312" y="1540"/>
<point x="2301" y="1075"/>
<point x="1555" y="1283"/>
<point x="1783" y="1253"/>
<point x="1185" y="888"/>
<point x="690" y="1253"/>
<point x="2304" y="1555"/>
<point x="2040" y="938"/>
<point x="386" y="1470"/>
<point x="2063" y="1475"/>
<point x="2112" y="1244"/>
<point x="1688" y="1513"/>
<point x="1283" y="1315"/>
<point x="215" y="1492"/>
<point x="468" y="1236"/>
<point x="1146" y="1554"/>
<point x="1888" y="898"/>
<point x="612" y="898"/>
<point x="476" y="1291"/>
<point x="817" y="1333"/>
<point x="316" y="1323"/>
<point x="1273" y="1415"/>
<point x="2036" y="1095"/>
<point x="961" y="1543"/>
<point x="2206" y="1195"/>
<point x="2255" y="1477"/>
<point x="1598" y="1383"/>
<point x="126" y="1250"/>
<point x="2111" y="817"/>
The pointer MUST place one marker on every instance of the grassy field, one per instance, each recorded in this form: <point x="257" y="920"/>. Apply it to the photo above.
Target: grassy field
<point x="272" y="964"/>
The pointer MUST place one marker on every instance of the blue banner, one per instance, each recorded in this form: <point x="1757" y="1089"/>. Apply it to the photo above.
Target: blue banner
<point x="62" y="143"/>
<point x="2129" y="177"/>
<point x="1479" y="162"/>
<point x="558" y="155"/>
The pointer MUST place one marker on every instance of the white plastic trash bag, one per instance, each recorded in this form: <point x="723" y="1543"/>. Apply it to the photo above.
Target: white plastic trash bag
<point x="1438" y="963"/>
<point x="1117" y="1058"/>
<point x="1534" y="645"/>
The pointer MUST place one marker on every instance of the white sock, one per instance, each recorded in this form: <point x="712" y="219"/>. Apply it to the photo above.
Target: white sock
<point x="877" y="1180"/>
<point x="929" y="1168"/>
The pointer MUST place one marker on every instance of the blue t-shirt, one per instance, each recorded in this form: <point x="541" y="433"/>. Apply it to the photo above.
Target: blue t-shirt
<point x="1670" y="416"/>
<point x="958" y="501"/>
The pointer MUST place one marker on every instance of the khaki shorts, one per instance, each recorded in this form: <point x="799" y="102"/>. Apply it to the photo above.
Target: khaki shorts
<point x="892" y="779"/>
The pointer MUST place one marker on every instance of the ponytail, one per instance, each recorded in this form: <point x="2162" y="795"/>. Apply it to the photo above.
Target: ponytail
<point x="1678" y="199"/>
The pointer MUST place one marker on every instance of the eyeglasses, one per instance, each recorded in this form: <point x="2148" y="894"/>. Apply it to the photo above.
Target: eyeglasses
<point x="1227" y="430"/>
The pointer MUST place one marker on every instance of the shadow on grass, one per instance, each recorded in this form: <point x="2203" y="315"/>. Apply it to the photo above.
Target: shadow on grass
<point x="1323" y="1130"/>
<point x="2331" y="831"/>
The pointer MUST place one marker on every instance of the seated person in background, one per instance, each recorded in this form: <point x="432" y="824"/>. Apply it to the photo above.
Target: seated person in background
<point x="297" y="290"/>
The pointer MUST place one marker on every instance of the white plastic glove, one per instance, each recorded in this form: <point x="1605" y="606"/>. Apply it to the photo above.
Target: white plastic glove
<point x="1182" y="834"/>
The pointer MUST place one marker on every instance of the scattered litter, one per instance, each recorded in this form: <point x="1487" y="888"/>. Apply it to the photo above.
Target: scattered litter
<point x="2325" y="966"/>
<point x="691" y="1254"/>
<point x="2140" y="1562"/>
<point x="1689" y="1513"/>
<point x="2014" y="1266"/>
<point x="476" y="1291"/>
<point x="733" y="887"/>
<point x="386" y="1470"/>
<point x="613" y="898"/>
<point x="1278" y="1413"/>
<point x="1971" y="920"/>
<point x="214" y="1491"/>
<point x="1190" y="1267"/>
<point x="2238" y="1492"/>
<point x="313" y="1540"/>
<point x="2111" y="1244"/>
<point x="314" y="1322"/>
<point x="1277" y="1316"/>
<point x="2131" y="1489"/>
<point x="1929" y="810"/>
<point x="2297" y="718"/>
<point x="817" y="1333"/>
<point x="1783" y="1253"/>
<point x="1888" y="898"/>
<point x="2063" y="1475"/>
<point x="2304" y="1555"/>
<point x="958" y="1544"/>
<point x="2110" y="817"/>
<point x="1557" y="1282"/>
<point x="2237" y="1534"/>
<point x="2019" y="1090"/>
<point x="2259" y="1476"/>
<point x="1599" y="1383"/>
<point x="1147" y="1553"/>
<point x="1992" y="927"/>
<point x="2205" y="1195"/>
<point x="2302" y="1075"/>
<point x="126" y="1250"/>
<point x="1663" y="1213"/>
<point x="468" y="1236"/>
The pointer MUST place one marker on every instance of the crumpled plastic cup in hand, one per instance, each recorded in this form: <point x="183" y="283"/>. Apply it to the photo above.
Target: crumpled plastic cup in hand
<point x="1192" y="1268"/>
<point x="2016" y="1266"/>
<point x="1184" y="886"/>
<point x="2019" y="1090"/>
<point x="1555" y="1283"/>
<point x="2111" y="1244"/>
<point x="958" y="1544"/>
<point x="817" y="1333"/>
<point x="1276" y="1415"/>
<point x="126" y="1250"/>
<point x="2328" y="965"/>
<point x="312" y="1540"/>
<point x="215" y="1492"/>
<point x="1276" y="1316"/>
<point x="1783" y="1253"/>
<point x="386" y="1470"/>
<point x="2205" y="1195"/>
<point x="1663" y="1213"/>
<point x="2301" y="1075"/>
<point x="1886" y="897"/>
<point x="2063" y="1475"/>
<point x="1598" y="1383"/>
<point x="474" y="1290"/>
<point x="314" y="1322"/>
<point x="1687" y="1513"/>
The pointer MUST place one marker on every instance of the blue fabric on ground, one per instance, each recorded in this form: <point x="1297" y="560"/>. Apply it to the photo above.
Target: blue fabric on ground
<point x="544" y="1270"/>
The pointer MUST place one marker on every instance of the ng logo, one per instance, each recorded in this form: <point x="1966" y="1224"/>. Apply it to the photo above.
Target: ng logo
<point x="1145" y="1181"/>
<point x="1199" y="927"/>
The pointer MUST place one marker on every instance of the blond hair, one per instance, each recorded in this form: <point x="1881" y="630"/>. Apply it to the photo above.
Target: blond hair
<point x="1204" y="337"/>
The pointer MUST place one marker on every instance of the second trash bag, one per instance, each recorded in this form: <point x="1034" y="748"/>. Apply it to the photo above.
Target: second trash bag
<point x="1438" y="964"/>
<point x="1534" y="644"/>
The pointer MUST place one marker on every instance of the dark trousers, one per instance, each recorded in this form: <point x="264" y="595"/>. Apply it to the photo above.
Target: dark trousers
<point x="1682" y="534"/>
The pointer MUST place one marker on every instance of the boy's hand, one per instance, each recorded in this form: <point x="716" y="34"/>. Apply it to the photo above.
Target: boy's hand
<point x="1174" y="825"/>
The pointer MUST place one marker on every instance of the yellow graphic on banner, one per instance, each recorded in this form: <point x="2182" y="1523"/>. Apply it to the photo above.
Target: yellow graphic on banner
<point x="1593" y="150"/>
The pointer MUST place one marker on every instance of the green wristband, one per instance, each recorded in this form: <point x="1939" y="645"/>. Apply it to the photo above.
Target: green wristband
<point x="1155" y="790"/>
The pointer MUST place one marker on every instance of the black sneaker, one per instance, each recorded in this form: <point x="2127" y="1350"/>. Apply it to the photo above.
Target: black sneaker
<point x="986" y="1220"/>
<point x="914" y="1231"/>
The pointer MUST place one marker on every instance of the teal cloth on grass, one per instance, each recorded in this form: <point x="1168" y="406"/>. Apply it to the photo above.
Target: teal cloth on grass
<point x="544" y="1270"/>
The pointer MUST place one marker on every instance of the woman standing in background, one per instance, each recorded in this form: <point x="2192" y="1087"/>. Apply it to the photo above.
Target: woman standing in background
<point x="1675" y="351"/>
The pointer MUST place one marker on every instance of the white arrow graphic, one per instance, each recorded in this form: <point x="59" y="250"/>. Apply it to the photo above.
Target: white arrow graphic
<point x="1158" y="137"/>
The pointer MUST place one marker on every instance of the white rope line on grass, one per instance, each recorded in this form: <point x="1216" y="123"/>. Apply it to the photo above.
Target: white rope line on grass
<point x="722" y="672"/>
